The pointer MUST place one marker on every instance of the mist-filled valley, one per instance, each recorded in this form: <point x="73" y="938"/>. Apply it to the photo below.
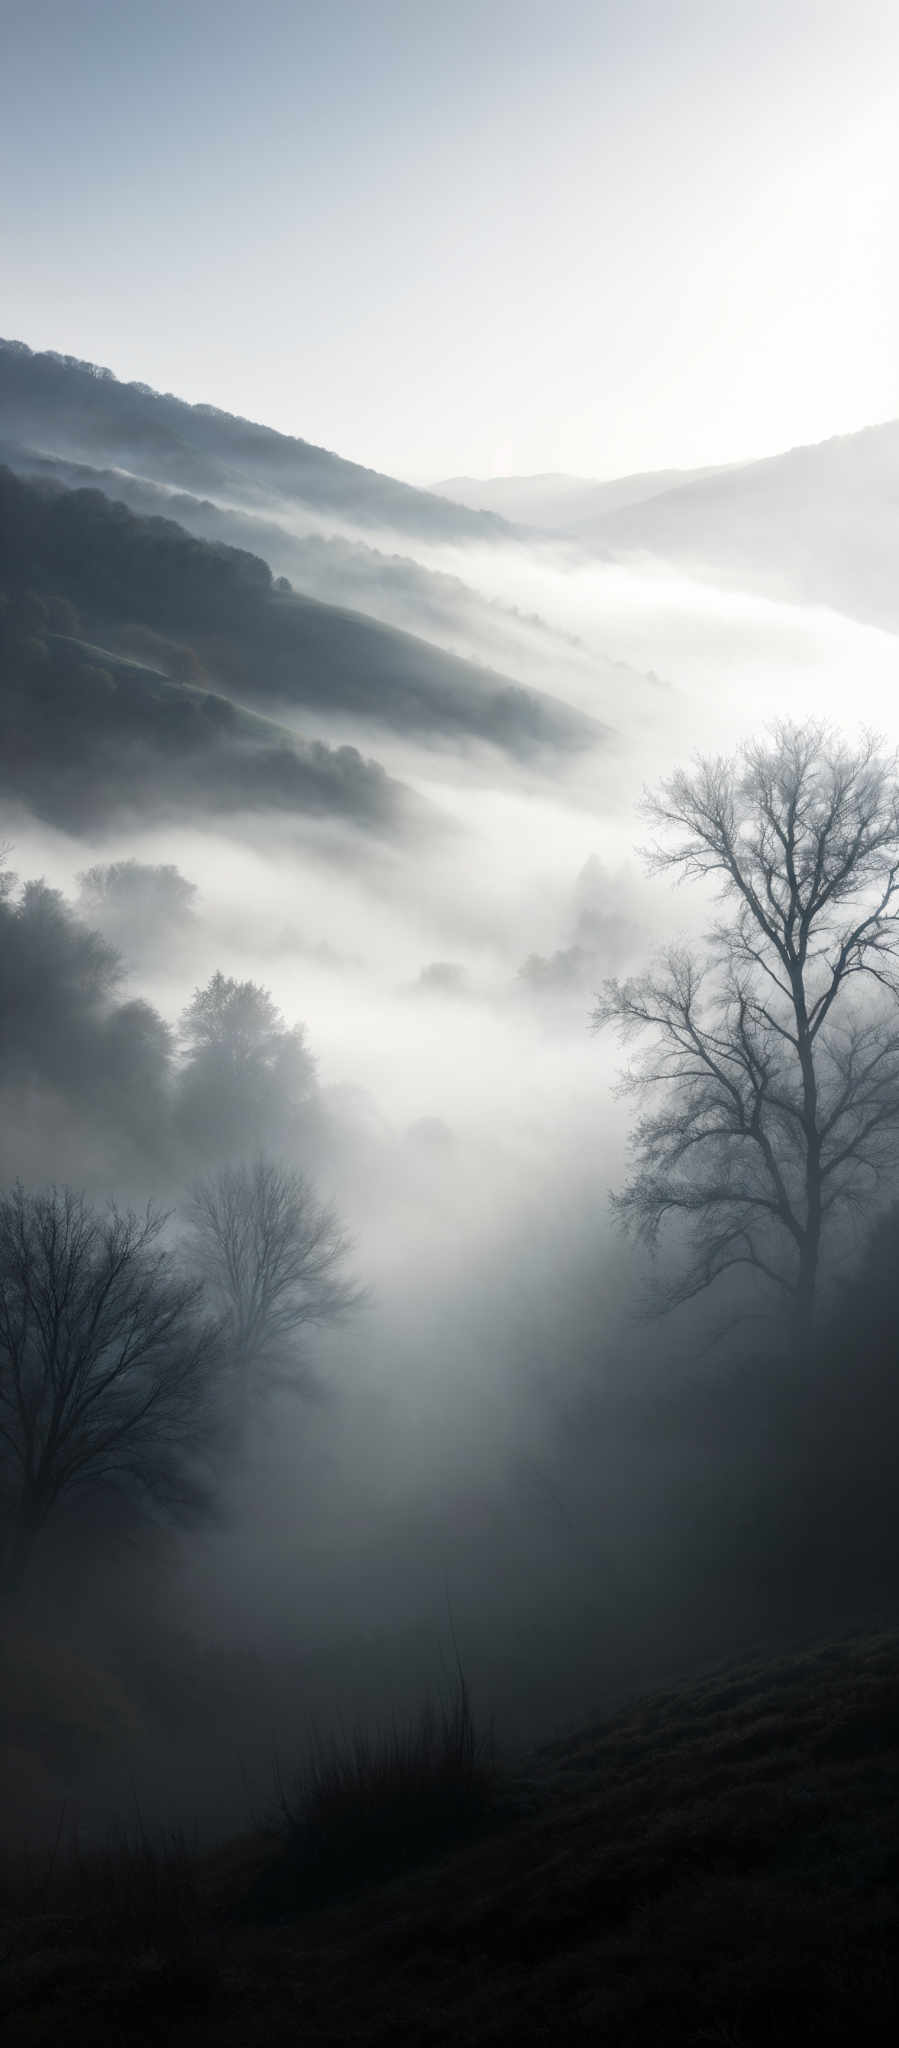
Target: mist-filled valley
<point x="449" y="1024"/>
<point x="321" y="808"/>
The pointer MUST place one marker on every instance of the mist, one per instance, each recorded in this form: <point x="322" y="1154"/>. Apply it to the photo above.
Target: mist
<point x="449" y="1024"/>
<point x="496" y="1435"/>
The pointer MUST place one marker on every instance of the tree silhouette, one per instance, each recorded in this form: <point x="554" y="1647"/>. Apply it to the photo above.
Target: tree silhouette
<point x="105" y="1360"/>
<point x="273" y="1256"/>
<point x="246" y="1074"/>
<point x="137" y="907"/>
<point x="778" y="1082"/>
<point x="65" y="1030"/>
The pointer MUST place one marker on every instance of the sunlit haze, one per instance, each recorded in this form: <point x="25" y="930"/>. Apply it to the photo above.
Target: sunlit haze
<point x="449" y="1022"/>
<point x="597" y="236"/>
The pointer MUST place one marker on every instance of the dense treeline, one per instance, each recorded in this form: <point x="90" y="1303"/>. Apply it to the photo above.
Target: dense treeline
<point x="232" y="1076"/>
<point x="134" y="1358"/>
<point x="113" y="564"/>
<point x="131" y="575"/>
<point x="88" y="733"/>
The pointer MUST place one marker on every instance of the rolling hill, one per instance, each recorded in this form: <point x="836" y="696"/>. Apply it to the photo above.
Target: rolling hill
<point x="264" y="641"/>
<point x="815" y="525"/>
<point x="559" y="502"/>
<point x="819" y="525"/>
<point x="63" y="406"/>
<point x="135" y="660"/>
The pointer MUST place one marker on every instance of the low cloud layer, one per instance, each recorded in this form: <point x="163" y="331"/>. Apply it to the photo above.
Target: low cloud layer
<point x="427" y="872"/>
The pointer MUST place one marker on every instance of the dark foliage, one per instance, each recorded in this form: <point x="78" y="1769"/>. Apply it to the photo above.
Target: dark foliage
<point x="110" y="564"/>
<point x="123" y="572"/>
<point x="65" y="1029"/>
<point x="88" y="735"/>
<point x="104" y="1064"/>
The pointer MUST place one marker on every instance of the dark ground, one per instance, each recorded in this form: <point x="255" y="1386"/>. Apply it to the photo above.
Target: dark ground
<point x="716" y="1864"/>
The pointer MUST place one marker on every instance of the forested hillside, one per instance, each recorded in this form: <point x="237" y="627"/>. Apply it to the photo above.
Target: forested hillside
<point x="59" y="404"/>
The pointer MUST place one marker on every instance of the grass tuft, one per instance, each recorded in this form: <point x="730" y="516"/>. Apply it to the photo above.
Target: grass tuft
<point x="144" y="1888"/>
<point x="370" y="1804"/>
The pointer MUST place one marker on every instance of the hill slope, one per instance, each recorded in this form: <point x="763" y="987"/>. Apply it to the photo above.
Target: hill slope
<point x="193" y="612"/>
<point x="714" y="1864"/>
<point x="566" y="503"/>
<point x="818" y="524"/>
<point x="63" y="406"/>
<point x="89" y="733"/>
<point x="437" y="608"/>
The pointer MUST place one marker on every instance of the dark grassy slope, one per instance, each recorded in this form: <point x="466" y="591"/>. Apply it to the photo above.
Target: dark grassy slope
<point x="716" y="1864"/>
<point x="68" y="407"/>
<point x="270" y="645"/>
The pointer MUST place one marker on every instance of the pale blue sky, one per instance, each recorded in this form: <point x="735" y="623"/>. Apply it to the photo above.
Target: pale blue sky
<point x="595" y="235"/>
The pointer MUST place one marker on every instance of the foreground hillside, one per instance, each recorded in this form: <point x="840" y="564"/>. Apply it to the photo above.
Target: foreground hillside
<point x="713" y="1864"/>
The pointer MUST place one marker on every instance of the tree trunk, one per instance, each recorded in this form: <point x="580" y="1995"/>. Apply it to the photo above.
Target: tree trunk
<point x="810" y="1246"/>
<point x="18" y="1548"/>
<point x="806" y="1283"/>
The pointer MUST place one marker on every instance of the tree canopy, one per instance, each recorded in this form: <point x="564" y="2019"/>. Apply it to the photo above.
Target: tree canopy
<point x="246" y="1074"/>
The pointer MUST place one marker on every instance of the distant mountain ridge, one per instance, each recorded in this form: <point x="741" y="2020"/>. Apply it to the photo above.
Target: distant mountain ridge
<point x="559" y="500"/>
<point x="64" y="406"/>
<point x="818" y="524"/>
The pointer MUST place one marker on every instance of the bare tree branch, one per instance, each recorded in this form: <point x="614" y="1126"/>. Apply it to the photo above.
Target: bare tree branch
<point x="105" y="1358"/>
<point x="781" y="1097"/>
<point x="273" y="1256"/>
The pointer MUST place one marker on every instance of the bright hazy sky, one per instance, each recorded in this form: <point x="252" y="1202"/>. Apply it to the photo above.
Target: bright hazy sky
<point x="482" y="236"/>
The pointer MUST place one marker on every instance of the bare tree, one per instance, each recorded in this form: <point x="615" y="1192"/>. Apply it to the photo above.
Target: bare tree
<point x="776" y="1059"/>
<point x="104" y="1361"/>
<point x="273" y="1255"/>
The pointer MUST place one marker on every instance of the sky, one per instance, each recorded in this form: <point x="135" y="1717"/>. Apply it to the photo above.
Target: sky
<point x="505" y="237"/>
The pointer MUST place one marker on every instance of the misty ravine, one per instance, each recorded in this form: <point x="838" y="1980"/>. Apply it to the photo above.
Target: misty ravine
<point x="449" y="1025"/>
